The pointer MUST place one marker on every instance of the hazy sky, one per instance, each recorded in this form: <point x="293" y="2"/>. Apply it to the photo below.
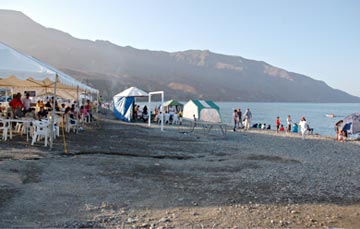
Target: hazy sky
<point x="317" y="38"/>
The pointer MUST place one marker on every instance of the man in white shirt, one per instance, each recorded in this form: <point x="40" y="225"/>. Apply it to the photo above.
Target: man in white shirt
<point x="248" y="117"/>
<point x="27" y="102"/>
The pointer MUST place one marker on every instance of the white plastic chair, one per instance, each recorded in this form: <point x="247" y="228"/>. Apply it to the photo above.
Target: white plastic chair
<point x="160" y="118"/>
<point x="41" y="129"/>
<point x="175" y="119"/>
<point x="167" y="118"/>
<point x="5" y="129"/>
<point x="57" y="123"/>
<point x="70" y="124"/>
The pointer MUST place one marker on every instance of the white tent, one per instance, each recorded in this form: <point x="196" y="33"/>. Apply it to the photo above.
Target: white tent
<point x="132" y="92"/>
<point x="19" y="71"/>
<point x="79" y="86"/>
<point x="202" y="110"/>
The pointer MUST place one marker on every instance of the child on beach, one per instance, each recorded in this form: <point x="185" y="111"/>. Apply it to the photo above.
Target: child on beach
<point x="342" y="136"/>
<point x="295" y="128"/>
<point x="277" y="123"/>
<point x="282" y="129"/>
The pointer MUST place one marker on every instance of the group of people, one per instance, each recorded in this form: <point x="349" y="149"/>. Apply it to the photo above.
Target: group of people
<point x="293" y="127"/>
<point x="20" y="106"/>
<point x="245" y="122"/>
<point x="280" y="127"/>
<point x="174" y="116"/>
<point x="23" y="107"/>
<point x="262" y="126"/>
<point x="240" y="121"/>
<point x="140" y="114"/>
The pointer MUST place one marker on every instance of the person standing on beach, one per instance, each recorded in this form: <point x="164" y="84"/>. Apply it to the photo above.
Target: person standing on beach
<point x="239" y="118"/>
<point x="235" y="117"/>
<point x="277" y="123"/>
<point x="338" y="129"/>
<point x="289" y="123"/>
<point x="303" y="127"/>
<point x="248" y="117"/>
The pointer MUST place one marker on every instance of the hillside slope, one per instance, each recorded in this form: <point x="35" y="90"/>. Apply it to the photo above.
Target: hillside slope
<point x="182" y="75"/>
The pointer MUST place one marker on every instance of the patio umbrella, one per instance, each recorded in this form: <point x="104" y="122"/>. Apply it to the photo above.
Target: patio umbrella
<point x="351" y="123"/>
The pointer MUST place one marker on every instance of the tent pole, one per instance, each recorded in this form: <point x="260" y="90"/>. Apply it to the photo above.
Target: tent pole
<point x="162" y="110"/>
<point x="149" y="111"/>
<point x="53" y="114"/>
<point x="162" y="106"/>
<point x="97" y="104"/>
<point x="77" y="96"/>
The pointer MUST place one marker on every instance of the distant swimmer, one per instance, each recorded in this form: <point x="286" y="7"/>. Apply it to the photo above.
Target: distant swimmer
<point x="330" y="115"/>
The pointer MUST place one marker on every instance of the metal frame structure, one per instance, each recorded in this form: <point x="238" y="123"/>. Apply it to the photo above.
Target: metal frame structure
<point x="162" y="106"/>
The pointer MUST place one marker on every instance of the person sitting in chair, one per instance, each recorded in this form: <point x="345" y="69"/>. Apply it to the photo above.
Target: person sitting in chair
<point x="145" y="115"/>
<point x="42" y="113"/>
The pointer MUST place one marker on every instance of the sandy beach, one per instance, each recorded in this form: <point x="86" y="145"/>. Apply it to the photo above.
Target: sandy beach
<point x="129" y="175"/>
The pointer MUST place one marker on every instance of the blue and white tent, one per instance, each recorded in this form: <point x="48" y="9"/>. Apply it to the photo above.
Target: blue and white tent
<point x="124" y="102"/>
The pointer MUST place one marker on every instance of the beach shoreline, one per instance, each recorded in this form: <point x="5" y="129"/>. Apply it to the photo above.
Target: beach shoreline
<point x="129" y="175"/>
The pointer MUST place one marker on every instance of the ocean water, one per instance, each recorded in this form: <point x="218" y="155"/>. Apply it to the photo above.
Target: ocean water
<point x="315" y="113"/>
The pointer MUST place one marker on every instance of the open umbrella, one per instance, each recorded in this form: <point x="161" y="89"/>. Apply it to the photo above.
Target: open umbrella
<point x="351" y="123"/>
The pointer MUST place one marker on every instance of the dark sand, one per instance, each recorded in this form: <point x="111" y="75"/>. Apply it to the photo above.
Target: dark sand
<point x="125" y="175"/>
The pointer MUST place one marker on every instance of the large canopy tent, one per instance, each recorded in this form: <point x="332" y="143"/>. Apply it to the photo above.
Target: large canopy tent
<point x="19" y="71"/>
<point x="124" y="102"/>
<point x="67" y="93"/>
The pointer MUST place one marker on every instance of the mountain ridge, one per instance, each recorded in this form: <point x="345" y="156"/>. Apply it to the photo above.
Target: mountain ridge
<point x="183" y="75"/>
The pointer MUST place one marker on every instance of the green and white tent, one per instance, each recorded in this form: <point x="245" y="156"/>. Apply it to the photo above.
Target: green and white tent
<point x="204" y="110"/>
<point x="178" y="106"/>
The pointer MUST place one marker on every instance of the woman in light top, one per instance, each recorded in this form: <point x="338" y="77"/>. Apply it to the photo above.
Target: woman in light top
<point x="303" y="126"/>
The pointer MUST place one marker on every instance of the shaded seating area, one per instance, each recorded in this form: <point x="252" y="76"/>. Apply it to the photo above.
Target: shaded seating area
<point x="20" y="72"/>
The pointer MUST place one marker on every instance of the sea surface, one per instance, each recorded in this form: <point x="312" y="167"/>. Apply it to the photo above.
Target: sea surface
<point x="315" y="113"/>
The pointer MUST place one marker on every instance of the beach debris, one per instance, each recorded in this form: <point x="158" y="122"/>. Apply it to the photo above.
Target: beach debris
<point x="131" y="220"/>
<point x="164" y="220"/>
